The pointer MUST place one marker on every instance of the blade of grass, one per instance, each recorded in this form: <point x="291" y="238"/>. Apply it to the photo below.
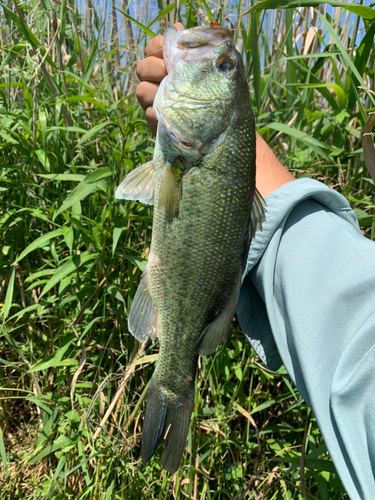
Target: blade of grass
<point x="9" y="294"/>
<point x="360" y="10"/>
<point x="3" y="455"/>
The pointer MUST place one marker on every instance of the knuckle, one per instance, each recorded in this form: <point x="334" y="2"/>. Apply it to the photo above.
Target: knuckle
<point x="140" y="93"/>
<point x="150" y="115"/>
<point x="154" y="45"/>
<point x="139" y="69"/>
<point x="158" y="40"/>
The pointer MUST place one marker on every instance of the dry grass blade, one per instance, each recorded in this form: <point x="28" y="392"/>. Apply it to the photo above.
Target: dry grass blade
<point x="127" y="374"/>
<point x="80" y="366"/>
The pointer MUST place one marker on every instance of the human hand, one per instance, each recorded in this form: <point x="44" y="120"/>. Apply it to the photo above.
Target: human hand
<point x="151" y="71"/>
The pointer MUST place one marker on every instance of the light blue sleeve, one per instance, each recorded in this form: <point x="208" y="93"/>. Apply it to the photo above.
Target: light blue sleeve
<point x="308" y="301"/>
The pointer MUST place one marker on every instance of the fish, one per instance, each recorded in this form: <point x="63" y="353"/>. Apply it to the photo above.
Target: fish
<point x="201" y="182"/>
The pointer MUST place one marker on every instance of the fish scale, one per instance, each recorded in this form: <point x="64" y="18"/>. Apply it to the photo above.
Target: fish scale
<point x="203" y="182"/>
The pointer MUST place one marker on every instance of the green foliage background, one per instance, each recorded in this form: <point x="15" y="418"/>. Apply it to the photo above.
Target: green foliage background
<point x="72" y="380"/>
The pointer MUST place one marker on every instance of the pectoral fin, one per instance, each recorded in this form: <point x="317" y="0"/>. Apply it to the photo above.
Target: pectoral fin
<point x="138" y="185"/>
<point x="170" y="192"/>
<point x="143" y="317"/>
<point x="217" y="332"/>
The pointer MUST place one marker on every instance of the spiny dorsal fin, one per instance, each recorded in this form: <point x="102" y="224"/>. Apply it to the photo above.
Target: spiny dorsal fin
<point x="368" y="146"/>
<point x="257" y="216"/>
<point x="171" y="191"/>
<point x="138" y="185"/>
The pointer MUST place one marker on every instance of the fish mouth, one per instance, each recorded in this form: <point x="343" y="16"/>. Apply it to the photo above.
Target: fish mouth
<point x="203" y="35"/>
<point x="199" y="43"/>
<point x="174" y="100"/>
<point x="202" y="43"/>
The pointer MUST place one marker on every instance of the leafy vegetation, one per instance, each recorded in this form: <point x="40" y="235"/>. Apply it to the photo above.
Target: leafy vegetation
<point x="72" y="380"/>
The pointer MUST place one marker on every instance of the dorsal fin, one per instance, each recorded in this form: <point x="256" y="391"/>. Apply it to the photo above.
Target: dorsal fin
<point x="257" y="216"/>
<point x="368" y="146"/>
<point x="217" y="331"/>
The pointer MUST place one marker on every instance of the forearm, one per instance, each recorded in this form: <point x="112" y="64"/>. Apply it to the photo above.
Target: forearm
<point x="271" y="174"/>
<point x="307" y="302"/>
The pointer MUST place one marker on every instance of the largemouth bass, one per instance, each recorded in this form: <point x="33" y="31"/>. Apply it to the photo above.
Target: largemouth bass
<point x="202" y="184"/>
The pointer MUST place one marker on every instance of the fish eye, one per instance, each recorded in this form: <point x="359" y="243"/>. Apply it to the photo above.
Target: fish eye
<point x="225" y="65"/>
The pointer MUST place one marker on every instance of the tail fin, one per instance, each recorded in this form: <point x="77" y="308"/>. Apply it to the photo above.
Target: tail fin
<point x="167" y="419"/>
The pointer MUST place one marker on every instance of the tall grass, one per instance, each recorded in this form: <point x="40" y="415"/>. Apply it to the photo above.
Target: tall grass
<point x="72" y="380"/>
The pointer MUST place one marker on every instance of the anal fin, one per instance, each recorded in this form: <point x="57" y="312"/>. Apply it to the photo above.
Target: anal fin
<point x="143" y="318"/>
<point x="138" y="185"/>
<point x="217" y="331"/>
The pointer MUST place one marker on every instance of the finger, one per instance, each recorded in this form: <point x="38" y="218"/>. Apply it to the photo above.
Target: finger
<point x="151" y="120"/>
<point x="151" y="69"/>
<point x="145" y="93"/>
<point x="155" y="47"/>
